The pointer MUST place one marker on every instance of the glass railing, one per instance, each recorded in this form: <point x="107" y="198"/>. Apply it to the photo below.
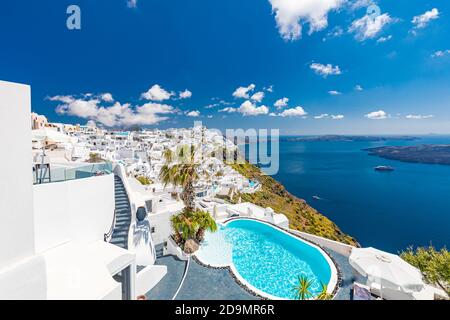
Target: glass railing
<point x="59" y="174"/>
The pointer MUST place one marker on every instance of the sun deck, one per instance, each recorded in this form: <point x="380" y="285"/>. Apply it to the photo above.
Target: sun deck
<point x="204" y="283"/>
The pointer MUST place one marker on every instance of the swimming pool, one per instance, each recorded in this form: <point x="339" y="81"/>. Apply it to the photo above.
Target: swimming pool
<point x="266" y="259"/>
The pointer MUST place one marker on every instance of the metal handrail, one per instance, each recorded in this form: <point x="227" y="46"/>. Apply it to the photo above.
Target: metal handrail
<point x="107" y="236"/>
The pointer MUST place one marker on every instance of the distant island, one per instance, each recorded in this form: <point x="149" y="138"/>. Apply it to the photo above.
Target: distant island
<point x="345" y="138"/>
<point x="430" y="153"/>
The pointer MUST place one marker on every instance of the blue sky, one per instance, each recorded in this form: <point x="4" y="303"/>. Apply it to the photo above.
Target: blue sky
<point x="400" y="59"/>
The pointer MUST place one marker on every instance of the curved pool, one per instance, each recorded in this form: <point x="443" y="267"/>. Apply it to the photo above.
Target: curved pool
<point x="266" y="259"/>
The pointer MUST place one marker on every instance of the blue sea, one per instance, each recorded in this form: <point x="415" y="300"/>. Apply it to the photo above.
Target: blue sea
<point x="387" y="210"/>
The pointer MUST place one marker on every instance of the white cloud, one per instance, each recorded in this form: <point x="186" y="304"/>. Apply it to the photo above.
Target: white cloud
<point x="107" y="97"/>
<point x="269" y="88"/>
<point x="384" y="39"/>
<point x="185" y="94"/>
<point x="258" y="96"/>
<point x="418" y="116"/>
<point x="115" y="115"/>
<point x="209" y="116"/>
<point x="290" y="15"/>
<point x="440" y="53"/>
<point x="358" y="4"/>
<point x="325" y="70"/>
<point x="250" y="109"/>
<point x="330" y="116"/>
<point x="228" y="110"/>
<point x="242" y="92"/>
<point x="294" y="112"/>
<point x="359" y="88"/>
<point x="281" y="103"/>
<point x="377" y="115"/>
<point x="421" y="21"/>
<point x="194" y="113"/>
<point x="336" y="32"/>
<point x="60" y="98"/>
<point x="156" y="93"/>
<point x="334" y="93"/>
<point x="368" y="27"/>
<point x="132" y="3"/>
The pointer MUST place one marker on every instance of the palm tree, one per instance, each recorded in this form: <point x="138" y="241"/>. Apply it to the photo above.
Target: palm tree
<point x="181" y="170"/>
<point x="184" y="226"/>
<point x="324" y="295"/>
<point x="204" y="222"/>
<point x="302" y="289"/>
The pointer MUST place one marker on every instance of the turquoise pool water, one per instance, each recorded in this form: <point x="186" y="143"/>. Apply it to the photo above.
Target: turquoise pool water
<point x="265" y="257"/>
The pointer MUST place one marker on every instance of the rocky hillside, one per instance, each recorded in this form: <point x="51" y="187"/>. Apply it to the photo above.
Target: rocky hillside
<point x="301" y="216"/>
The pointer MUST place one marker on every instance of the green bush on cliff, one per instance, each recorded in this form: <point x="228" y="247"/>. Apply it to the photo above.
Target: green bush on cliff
<point x="301" y="216"/>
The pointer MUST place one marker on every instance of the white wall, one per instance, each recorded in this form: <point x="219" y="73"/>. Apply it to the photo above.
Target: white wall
<point x="22" y="274"/>
<point x="342" y="248"/>
<point x="78" y="210"/>
<point x="16" y="211"/>
<point x="161" y="223"/>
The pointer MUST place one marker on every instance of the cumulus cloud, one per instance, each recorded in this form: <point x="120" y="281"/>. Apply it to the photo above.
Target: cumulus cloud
<point x="369" y="27"/>
<point x="107" y="97"/>
<point x="418" y="116"/>
<point x="250" y="109"/>
<point x="185" y="94"/>
<point x="157" y="93"/>
<point x="334" y="93"/>
<point x="377" y="115"/>
<point x="290" y="15"/>
<point x="281" y="103"/>
<point x="194" y="113"/>
<point x="359" y="88"/>
<point x="116" y="115"/>
<point x="243" y="92"/>
<point x="258" y="96"/>
<point x="421" y="21"/>
<point x="293" y="112"/>
<point x="325" y="70"/>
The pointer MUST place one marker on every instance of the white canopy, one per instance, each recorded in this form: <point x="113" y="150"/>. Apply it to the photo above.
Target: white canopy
<point x="387" y="269"/>
<point x="50" y="135"/>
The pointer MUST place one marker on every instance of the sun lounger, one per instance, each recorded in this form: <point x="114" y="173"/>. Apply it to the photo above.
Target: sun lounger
<point x="361" y="292"/>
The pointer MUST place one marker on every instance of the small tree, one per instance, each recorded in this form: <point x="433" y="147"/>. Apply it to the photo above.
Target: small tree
<point x="324" y="295"/>
<point x="435" y="265"/>
<point x="204" y="222"/>
<point x="302" y="289"/>
<point x="184" y="226"/>
<point x="181" y="170"/>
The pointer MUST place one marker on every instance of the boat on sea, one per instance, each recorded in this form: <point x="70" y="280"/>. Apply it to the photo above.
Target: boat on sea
<point x="384" y="168"/>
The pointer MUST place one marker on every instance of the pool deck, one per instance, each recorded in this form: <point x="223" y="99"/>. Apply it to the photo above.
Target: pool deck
<point x="203" y="283"/>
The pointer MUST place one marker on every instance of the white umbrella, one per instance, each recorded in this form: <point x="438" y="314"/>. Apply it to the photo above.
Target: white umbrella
<point x="50" y="135"/>
<point x="389" y="270"/>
